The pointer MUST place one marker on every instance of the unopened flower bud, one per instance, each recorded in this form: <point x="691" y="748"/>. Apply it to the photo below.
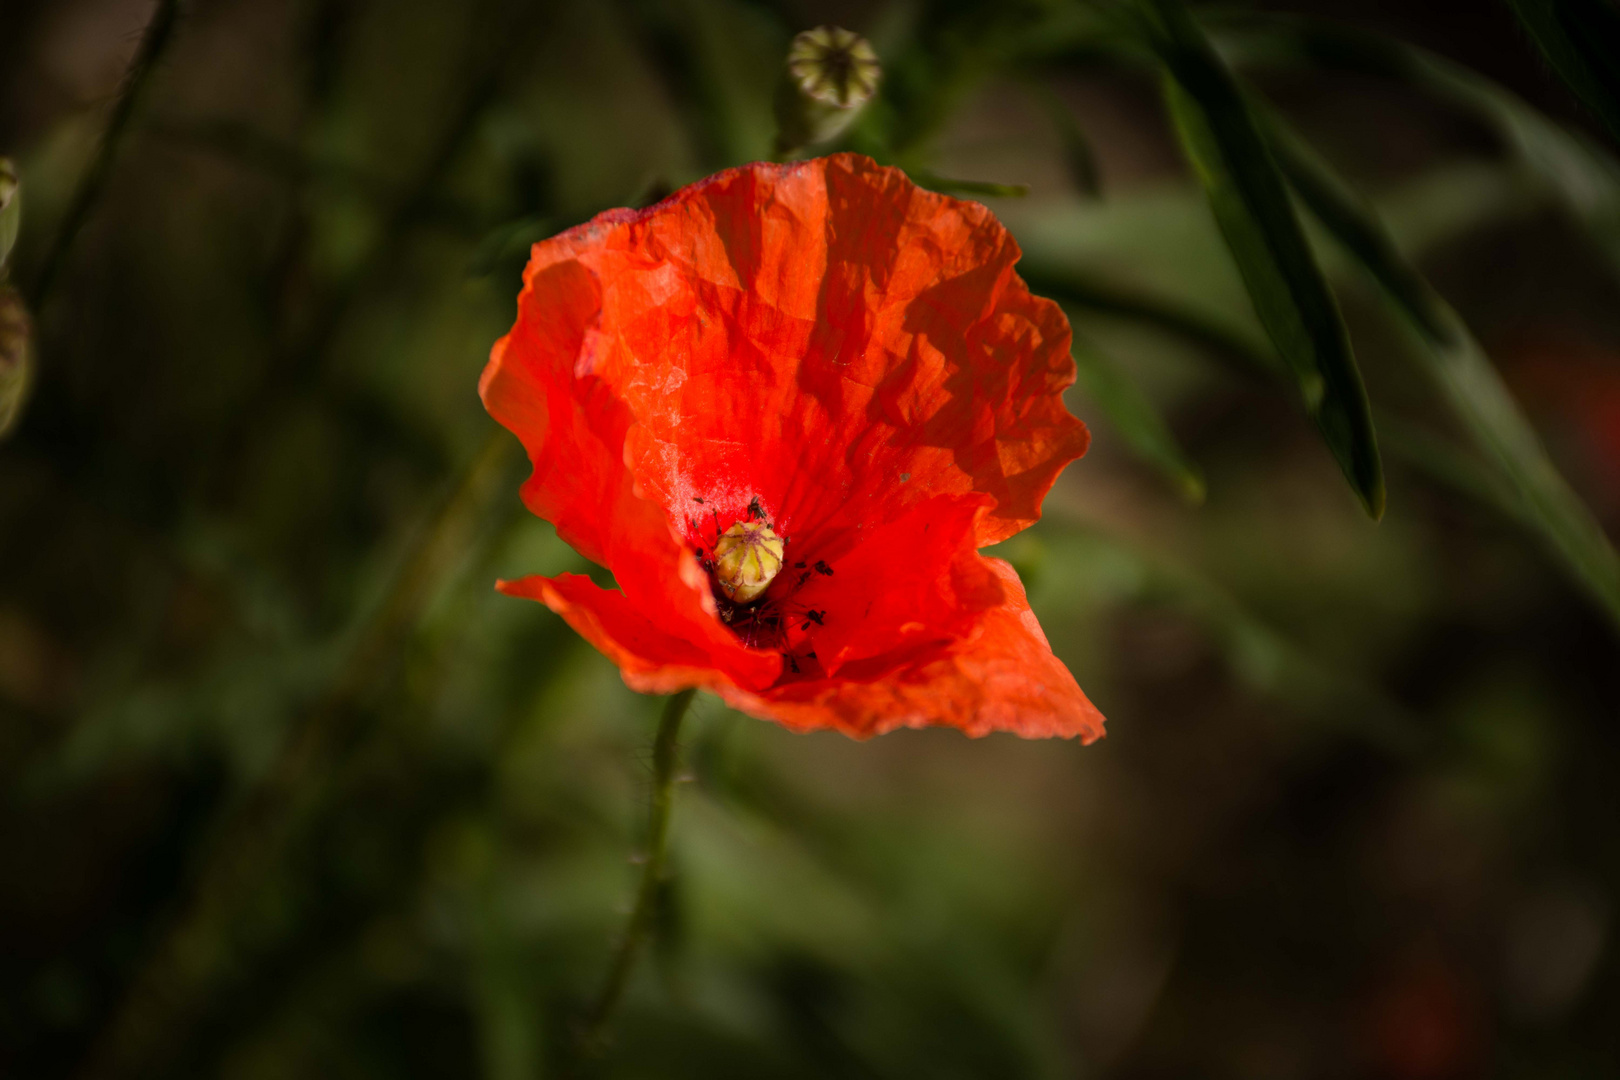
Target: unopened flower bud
<point x="16" y="361"/>
<point x="831" y="73"/>
<point x="10" y="208"/>
<point x="747" y="557"/>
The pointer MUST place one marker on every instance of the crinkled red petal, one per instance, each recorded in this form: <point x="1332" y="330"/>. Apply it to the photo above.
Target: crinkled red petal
<point x="1002" y="677"/>
<point x="847" y="353"/>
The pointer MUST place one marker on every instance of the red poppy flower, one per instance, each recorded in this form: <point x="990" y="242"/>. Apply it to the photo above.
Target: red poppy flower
<point x="816" y="371"/>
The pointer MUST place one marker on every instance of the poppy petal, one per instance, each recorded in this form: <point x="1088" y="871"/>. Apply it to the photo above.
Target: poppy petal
<point x="650" y="660"/>
<point x="828" y="347"/>
<point x="1004" y="677"/>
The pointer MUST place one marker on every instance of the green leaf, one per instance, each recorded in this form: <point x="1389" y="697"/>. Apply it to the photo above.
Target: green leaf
<point x="1356" y="227"/>
<point x="1464" y="376"/>
<point x="1250" y="201"/>
<point x="1254" y="651"/>
<point x="1078" y="155"/>
<point x="507" y="242"/>
<point x="946" y="185"/>
<point x="1136" y="419"/>
<point x="1581" y="40"/>
<point x="1579" y="172"/>
<point x="1108" y="298"/>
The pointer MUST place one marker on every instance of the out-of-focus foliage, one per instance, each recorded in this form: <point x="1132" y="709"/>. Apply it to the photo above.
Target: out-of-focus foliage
<point x="289" y="789"/>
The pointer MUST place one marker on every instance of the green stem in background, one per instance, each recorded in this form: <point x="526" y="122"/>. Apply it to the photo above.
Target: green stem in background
<point x="666" y="748"/>
<point x="154" y="42"/>
<point x="167" y="997"/>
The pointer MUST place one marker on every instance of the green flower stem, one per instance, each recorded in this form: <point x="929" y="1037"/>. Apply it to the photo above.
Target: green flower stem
<point x="154" y="42"/>
<point x="666" y="749"/>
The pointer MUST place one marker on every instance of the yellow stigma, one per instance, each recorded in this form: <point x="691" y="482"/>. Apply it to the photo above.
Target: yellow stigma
<point x="747" y="558"/>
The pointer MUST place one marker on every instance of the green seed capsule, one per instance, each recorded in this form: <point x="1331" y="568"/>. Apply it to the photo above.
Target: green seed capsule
<point x="747" y="559"/>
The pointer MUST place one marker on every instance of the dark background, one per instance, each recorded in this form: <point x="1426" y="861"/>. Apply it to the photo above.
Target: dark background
<point x="289" y="791"/>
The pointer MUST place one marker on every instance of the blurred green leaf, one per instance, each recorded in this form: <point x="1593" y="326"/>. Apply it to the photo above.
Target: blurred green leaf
<point x="1356" y="227"/>
<point x="1290" y="294"/>
<point x="1454" y="360"/>
<point x="949" y="186"/>
<point x="1443" y="461"/>
<point x="508" y="241"/>
<point x="1136" y="419"/>
<point x="1078" y="156"/>
<point x="1581" y="40"/>
<point x="1583" y="175"/>
<point x="10" y="208"/>
<point x="1139" y="305"/>
<point x="1255" y="651"/>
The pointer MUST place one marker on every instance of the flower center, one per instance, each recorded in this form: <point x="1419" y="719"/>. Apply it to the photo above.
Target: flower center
<point x="747" y="558"/>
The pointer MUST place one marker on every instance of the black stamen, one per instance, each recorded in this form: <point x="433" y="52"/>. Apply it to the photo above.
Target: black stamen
<point x="822" y="567"/>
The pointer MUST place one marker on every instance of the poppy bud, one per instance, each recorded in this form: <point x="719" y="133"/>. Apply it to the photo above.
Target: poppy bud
<point x="15" y="361"/>
<point x="831" y="73"/>
<point x="747" y="558"/>
<point x="10" y="208"/>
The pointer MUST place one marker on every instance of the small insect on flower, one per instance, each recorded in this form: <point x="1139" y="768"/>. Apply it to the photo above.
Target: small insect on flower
<point x="716" y="407"/>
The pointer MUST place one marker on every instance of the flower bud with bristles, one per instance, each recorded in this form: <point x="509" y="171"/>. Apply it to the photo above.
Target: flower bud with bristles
<point x="831" y="72"/>
<point x="747" y="558"/>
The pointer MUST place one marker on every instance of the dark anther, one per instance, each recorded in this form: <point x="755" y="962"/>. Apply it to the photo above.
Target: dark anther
<point x="810" y="656"/>
<point x="697" y="500"/>
<point x="799" y="565"/>
<point x="804" y="577"/>
<point x="755" y="511"/>
<point x="815" y="616"/>
<point x="823" y="568"/>
<point x="794" y="664"/>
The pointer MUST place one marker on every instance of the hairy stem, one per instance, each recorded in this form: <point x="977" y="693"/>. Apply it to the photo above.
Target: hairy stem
<point x="666" y="749"/>
<point x="154" y="42"/>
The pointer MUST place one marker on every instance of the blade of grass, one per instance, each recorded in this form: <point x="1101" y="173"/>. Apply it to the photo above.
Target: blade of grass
<point x="1582" y="174"/>
<point x="1136" y="419"/>
<point x="1581" y="40"/>
<point x="155" y="40"/>
<point x="1093" y="294"/>
<point x="1461" y="371"/>
<point x="946" y="185"/>
<point x="1078" y="156"/>
<point x="1223" y="142"/>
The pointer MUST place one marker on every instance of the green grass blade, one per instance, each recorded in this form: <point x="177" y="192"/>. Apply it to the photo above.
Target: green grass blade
<point x="1577" y="170"/>
<point x="1464" y="375"/>
<point x="1357" y="228"/>
<point x="1581" y="40"/>
<point x="1078" y="156"/>
<point x="1137" y="420"/>
<point x="1250" y="201"/>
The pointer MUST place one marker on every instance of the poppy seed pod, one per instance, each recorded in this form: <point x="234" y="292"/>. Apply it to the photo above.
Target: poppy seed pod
<point x="747" y="558"/>
<point x="831" y="73"/>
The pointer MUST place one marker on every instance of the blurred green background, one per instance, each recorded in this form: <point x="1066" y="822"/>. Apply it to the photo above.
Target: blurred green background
<point x="289" y="791"/>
